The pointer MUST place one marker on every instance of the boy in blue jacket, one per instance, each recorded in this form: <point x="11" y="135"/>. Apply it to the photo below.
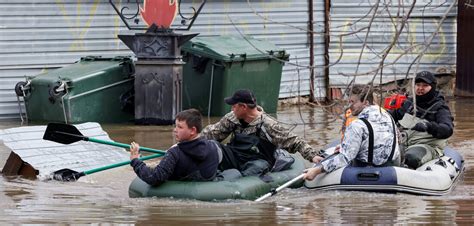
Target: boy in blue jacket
<point x="192" y="159"/>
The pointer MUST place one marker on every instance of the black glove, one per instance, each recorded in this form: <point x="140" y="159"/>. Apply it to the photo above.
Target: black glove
<point x="421" y="127"/>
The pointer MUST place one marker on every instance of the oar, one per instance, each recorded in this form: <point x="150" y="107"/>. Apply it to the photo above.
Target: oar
<point x="285" y="185"/>
<point x="67" y="134"/>
<point x="71" y="175"/>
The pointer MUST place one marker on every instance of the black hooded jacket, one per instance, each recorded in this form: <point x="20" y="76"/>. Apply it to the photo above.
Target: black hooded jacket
<point x="195" y="160"/>
<point x="435" y="110"/>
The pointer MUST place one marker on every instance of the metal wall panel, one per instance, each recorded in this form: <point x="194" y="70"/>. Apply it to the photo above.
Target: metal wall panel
<point x="465" y="57"/>
<point x="353" y="16"/>
<point x="41" y="35"/>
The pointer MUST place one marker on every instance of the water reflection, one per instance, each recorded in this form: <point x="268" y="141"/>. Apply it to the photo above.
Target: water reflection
<point x="103" y="197"/>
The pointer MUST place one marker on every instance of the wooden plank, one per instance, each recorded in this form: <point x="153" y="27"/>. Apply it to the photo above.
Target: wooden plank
<point x="15" y="166"/>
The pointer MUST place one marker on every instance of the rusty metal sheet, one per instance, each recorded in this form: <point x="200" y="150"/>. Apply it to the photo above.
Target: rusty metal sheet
<point x="465" y="47"/>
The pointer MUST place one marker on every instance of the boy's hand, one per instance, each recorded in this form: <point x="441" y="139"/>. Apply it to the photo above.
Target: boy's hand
<point x="134" y="150"/>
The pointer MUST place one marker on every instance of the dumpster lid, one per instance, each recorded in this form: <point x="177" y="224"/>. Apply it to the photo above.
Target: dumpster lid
<point x="85" y="66"/>
<point x="230" y="48"/>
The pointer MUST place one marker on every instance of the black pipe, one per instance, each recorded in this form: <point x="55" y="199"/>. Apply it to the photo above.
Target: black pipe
<point x="327" y="39"/>
<point x="311" y="50"/>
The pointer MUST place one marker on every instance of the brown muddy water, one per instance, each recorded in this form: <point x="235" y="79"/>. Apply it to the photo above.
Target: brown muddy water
<point x="103" y="197"/>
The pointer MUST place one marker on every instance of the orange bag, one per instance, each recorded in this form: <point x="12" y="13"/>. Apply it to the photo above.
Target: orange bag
<point x="394" y="101"/>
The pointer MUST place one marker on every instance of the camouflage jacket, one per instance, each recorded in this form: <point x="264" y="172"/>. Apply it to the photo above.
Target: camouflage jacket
<point x="355" y="144"/>
<point x="272" y="130"/>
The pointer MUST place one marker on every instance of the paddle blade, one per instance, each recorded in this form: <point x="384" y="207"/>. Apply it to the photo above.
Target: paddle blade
<point x="62" y="133"/>
<point x="67" y="175"/>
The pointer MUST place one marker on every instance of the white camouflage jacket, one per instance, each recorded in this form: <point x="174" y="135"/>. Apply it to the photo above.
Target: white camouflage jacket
<point x="356" y="140"/>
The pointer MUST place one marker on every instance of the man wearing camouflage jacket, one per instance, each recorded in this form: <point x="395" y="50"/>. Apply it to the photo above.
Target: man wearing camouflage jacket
<point x="255" y="137"/>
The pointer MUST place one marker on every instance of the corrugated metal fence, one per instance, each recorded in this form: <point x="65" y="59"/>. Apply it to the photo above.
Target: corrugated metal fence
<point x="41" y="35"/>
<point x="386" y="19"/>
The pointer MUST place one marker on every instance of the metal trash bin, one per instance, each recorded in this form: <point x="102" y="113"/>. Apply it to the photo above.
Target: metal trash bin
<point x="217" y="66"/>
<point x="93" y="89"/>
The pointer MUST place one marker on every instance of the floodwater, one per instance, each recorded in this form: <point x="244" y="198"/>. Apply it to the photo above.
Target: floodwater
<point x="103" y="197"/>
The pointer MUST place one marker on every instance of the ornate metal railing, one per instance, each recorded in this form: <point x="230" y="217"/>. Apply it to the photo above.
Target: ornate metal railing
<point x="129" y="12"/>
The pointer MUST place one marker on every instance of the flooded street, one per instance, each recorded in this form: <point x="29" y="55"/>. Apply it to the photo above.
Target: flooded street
<point x="103" y="197"/>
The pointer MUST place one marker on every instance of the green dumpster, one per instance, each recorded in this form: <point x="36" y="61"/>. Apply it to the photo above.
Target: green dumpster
<point x="93" y="89"/>
<point x="217" y="66"/>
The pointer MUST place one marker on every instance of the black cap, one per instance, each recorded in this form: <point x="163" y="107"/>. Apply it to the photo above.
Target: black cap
<point x="241" y="96"/>
<point x="426" y="77"/>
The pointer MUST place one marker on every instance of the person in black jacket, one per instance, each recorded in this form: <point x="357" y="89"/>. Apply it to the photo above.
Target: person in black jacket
<point x="192" y="159"/>
<point x="425" y="132"/>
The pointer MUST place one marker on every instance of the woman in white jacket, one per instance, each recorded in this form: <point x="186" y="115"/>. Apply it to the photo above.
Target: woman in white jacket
<point x="370" y="140"/>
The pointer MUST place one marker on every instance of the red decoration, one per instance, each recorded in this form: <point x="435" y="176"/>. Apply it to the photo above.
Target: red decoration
<point x="159" y="12"/>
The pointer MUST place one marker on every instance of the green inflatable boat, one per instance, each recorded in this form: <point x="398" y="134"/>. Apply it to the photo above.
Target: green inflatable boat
<point x="249" y="188"/>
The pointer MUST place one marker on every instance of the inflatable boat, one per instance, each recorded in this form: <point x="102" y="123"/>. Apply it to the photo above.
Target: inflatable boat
<point x="249" y="188"/>
<point x="437" y="177"/>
